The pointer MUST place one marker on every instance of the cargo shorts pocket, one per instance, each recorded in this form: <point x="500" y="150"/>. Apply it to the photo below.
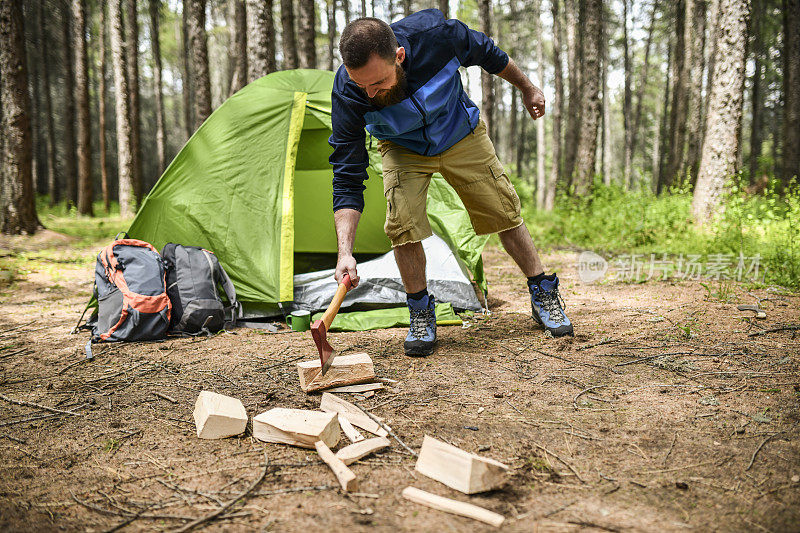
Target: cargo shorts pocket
<point x="398" y="217"/>
<point x="505" y="190"/>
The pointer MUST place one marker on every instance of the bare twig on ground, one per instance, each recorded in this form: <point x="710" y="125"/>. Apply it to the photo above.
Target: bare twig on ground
<point x="596" y="344"/>
<point x="671" y="446"/>
<point x="763" y="442"/>
<point x="38" y="406"/>
<point x="581" y="393"/>
<point x="545" y="450"/>
<point x="164" y="396"/>
<point x="614" y="370"/>
<point x="788" y="327"/>
<point x="242" y="496"/>
<point x="388" y="430"/>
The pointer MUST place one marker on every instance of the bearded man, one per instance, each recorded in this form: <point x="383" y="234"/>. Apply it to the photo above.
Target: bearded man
<point x="401" y="83"/>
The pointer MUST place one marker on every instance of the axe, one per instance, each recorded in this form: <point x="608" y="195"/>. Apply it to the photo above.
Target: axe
<point x="319" y="329"/>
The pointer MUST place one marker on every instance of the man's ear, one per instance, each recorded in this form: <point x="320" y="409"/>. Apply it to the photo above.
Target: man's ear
<point x="400" y="54"/>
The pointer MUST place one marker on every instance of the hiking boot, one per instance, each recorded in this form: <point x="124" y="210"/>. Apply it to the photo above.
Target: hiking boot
<point x="421" y="336"/>
<point x="546" y="304"/>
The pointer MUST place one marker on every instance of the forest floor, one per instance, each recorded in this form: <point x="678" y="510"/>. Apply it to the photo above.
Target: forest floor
<point x="663" y="413"/>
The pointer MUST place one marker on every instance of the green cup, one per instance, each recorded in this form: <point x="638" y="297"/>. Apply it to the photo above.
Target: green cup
<point x="299" y="321"/>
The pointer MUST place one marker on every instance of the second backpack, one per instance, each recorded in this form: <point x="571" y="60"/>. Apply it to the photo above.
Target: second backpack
<point x="192" y="277"/>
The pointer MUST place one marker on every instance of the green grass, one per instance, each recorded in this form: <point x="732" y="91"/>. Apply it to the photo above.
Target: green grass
<point x="89" y="234"/>
<point x="613" y="222"/>
<point x="88" y="230"/>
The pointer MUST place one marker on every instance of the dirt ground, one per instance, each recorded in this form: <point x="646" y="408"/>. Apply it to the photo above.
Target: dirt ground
<point x="661" y="414"/>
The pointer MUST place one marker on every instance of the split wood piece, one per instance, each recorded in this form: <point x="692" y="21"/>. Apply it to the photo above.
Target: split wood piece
<point x="347" y="479"/>
<point x="348" y="429"/>
<point x="458" y="469"/>
<point x="447" y="505"/>
<point x="354" y="452"/>
<point x="218" y="416"/>
<point x="345" y="370"/>
<point x="297" y="427"/>
<point x="333" y="404"/>
<point x="364" y="387"/>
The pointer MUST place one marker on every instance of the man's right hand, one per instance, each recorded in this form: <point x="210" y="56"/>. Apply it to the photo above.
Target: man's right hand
<point x="347" y="265"/>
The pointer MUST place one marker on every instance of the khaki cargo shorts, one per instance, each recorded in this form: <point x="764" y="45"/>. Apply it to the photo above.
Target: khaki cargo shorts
<point x="470" y="166"/>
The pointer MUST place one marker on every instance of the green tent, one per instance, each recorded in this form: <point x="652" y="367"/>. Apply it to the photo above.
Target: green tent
<point x="254" y="185"/>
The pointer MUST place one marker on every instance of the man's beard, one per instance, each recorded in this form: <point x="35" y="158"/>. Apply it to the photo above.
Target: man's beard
<point x="395" y="94"/>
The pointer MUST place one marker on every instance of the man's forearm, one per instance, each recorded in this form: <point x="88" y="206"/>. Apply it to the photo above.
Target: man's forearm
<point x="514" y="75"/>
<point x="346" y="221"/>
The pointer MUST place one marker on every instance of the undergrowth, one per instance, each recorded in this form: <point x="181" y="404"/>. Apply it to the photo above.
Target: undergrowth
<point x="611" y="221"/>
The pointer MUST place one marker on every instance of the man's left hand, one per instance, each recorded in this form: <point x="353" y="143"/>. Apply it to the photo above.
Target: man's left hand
<point x="533" y="99"/>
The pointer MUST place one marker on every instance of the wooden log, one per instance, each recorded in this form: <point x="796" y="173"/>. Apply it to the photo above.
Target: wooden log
<point x="348" y="429"/>
<point x="297" y="427"/>
<point x="447" y="505"/>
<point x="347" y="479"/>
<point x="364" y="387"/>
<point x="354" y="452"/>
<point x="345" y="370"/>
<point x="217" y="416"/>
<point x="458" y="469"/>
<point x="333" y="404"/>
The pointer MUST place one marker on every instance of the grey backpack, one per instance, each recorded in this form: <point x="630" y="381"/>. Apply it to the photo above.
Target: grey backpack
<point x="193" y="275"/>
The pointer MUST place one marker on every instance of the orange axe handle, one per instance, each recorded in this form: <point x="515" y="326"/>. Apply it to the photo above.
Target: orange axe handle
<point x="336" y="302"/>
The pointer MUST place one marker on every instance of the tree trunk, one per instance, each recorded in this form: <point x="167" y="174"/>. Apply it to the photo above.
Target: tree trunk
<point x="287" y="35"/>
<point x="127" y="200"/>
<point x="556" y="108"/>
<point x="723" y="123"/>
<point x="541" y="180"/>
<point x="487" y="88"/>
<point x="695" y="58"/>
<point x="444" y="7"/>
<point x="17" y="203"/>
<point x="132" y="51"/>
<point x="85" y="182"/>
<point x="101" y="97"/>
<point x="407" y="7"/>
<point x="53" y="190"/>
<point x="239" y="45"/>
<point x="574" y="86"/>
<point x="30" y="12"/>
<point x="346" y="10"/>
<point x="186" y="73"/>
<point x="363" y="8"/>
<point x="199" y="60"/>
<point x="605" y="145"/>
<point x="330" y="10"/>
<point x="640" y="91"/>
<point x="70" y="163"/>
<point x="261" y="39"/>
<point x="161" y="151"/>
<point x="677" y="119"/>
<point x="756" y="129"/>
<point x="592" y="28"/>
<point x="308" y="33"/>
<point x="627" y="100"/>
<point x="664" y="129"/>
<point x="791" y="94"/>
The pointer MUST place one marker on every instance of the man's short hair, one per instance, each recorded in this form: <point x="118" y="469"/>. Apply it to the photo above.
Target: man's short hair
<point x="364" y="37"/>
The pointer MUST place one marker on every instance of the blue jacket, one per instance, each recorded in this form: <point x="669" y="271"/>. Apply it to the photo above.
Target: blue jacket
<point x="436" y="115"/>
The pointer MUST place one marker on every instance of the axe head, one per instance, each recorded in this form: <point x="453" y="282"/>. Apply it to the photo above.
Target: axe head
<point x="326" y="352"/>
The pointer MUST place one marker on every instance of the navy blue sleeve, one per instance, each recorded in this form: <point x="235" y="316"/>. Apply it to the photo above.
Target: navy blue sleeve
<point x="349" y="158"/>
<point x="475" y="48"/>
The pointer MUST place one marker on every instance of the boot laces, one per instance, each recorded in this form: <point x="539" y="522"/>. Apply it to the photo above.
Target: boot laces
<point x="552" y="303"/>
<point x="420" y="319"/>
